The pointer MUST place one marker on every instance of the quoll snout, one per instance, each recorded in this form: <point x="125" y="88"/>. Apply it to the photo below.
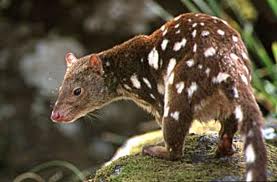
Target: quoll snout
<point x="56" y="116"/>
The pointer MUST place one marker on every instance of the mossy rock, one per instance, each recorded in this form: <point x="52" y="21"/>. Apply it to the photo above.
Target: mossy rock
<point x="198" y="164"/>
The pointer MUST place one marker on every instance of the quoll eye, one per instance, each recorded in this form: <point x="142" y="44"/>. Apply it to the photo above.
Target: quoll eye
<point x="77" y="91"/>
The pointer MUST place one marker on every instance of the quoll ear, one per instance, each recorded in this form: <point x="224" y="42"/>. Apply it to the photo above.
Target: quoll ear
<point x="96" y="63"/>
<point x="70" y="59"/>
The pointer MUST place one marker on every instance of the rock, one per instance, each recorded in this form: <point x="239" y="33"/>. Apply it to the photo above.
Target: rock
<point x="45" y="67"/>
<point x="270" y="127"/>
<point x="100" y="149"/>
<point x="198" y="164"/>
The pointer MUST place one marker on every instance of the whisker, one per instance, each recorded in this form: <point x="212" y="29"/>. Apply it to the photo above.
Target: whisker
<point x="94" y="115"/>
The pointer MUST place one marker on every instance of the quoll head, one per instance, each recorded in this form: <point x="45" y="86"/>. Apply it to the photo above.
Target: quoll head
<point x="83" y="89"/>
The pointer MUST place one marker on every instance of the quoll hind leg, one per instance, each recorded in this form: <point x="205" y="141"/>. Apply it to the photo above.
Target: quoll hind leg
<point x="229" y="127"/>
<point x="175" y="126"/>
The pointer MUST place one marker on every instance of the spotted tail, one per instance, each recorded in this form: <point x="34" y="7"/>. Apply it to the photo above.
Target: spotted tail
<point x="254" y="147"/>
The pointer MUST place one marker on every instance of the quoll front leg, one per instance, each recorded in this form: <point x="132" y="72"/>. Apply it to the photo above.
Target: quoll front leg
<point x="177" y="120"/>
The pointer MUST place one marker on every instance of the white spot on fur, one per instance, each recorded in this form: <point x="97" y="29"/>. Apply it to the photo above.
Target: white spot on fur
<point x="171" y="78"/>
<point x="179" y="45"/>
<point x="238" y="113"/>
<point x="250" y="154"/>
<point x="193" y="87"/>
<point x="166" y="98"/>
<point x="244" y="55"/>
<point x="164" y="32"/>
<point x="178" y="31"/>
<point x="127" y="87"/>
<point x="164" y="44"/>
<point x="146" y="81"/>
<point x="209" y="52"/>
<point x="160" y="88"/>
<point x="234" y="56"/>
<point x="194" y="25"/>
<point x="177" y="25"/>
<point x="189" y="20"/>
<point x="175" y="115"/>
<point x="171" y="65"/>
<point x="202" y="24"/>
<point x="207" y="71"/>
<point x="108" y="63"/>
<point x="194" y="33"/>
<point x="162" y="28"/>
<point x="220" y="77"/>
<point x="152" y="96"/>
<point x="190" y="62"/>
<point x="180" y="86"/>
<point x="220" y="32"/>
<point x="166" y="111"/>
<point x="205" y="33"/>
<point x="246" y="70"/>
<point x="153" y="58"/>
<point x="200" y="66"/>
<point x="177" y="18"/>
<point x="194" y="47"/>
<point x="135" y="81"/>
<point x="236" y="93"/>
<point x="244" y="79"/>
<point x="249" y="176"/>
<point x="235" y="38"/>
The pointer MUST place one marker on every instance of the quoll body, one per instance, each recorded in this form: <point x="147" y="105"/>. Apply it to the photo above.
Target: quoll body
<point x="194" y="67"/>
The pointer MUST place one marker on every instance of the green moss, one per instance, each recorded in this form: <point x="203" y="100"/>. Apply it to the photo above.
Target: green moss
<point x="198" y="164"/>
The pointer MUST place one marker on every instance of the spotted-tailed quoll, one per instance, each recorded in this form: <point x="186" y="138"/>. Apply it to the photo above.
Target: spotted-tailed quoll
<point x="194" y="67"/>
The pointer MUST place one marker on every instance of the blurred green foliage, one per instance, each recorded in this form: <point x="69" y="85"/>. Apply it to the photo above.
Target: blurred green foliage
<point x="273" y="6"/>
<point x="241" y="14"/>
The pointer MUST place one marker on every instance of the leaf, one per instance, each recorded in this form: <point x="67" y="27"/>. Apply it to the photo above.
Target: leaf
<point x="159" y="10"/>
<point x="274" y="50"/>
<point x="190" y="6"/>
<point x="202" y="5"/>
<point x="273" y="5"/>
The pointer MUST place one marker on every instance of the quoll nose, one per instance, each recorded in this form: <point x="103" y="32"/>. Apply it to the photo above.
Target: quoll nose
<point x="56" y="116"/>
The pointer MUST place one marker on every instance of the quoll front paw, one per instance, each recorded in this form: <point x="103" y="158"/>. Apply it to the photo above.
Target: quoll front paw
<point x="156" y="151"/>
<point x="160" y="152"/>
